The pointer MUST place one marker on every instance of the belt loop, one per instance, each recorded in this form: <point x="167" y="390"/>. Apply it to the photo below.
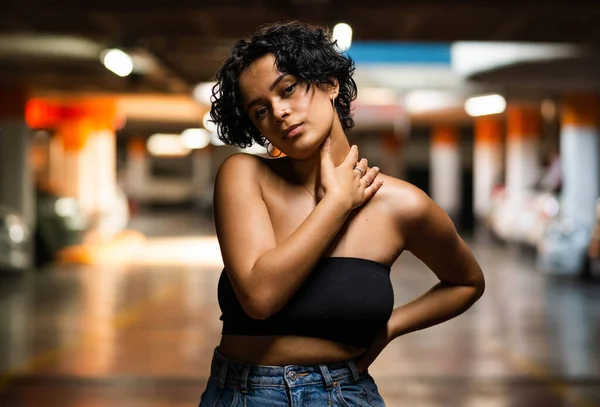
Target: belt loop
<point x="223" y="374"/>
<point x="244" y="378"/>
<point x="327" y="377"/>
<point x="354" y="369"/>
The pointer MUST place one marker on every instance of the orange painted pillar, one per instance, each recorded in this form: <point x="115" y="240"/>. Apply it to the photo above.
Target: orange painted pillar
<point x="83" y="153"/>
<point x="522" y="150"/>
<point x="579" y="158"/>
<point x="77" y="164"/>
<point x="16" y="178"/>
<point x="137" y="169"/>
<point x="391" y="154"/>
<point x="487" y="162"/>
<point x="445" y="178"/>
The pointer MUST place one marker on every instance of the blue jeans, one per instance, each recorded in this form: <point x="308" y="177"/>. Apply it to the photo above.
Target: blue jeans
<point x="234" y="383"/>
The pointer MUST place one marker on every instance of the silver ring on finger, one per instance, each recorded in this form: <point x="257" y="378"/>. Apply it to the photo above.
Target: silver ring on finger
<point x="359" y="170"/>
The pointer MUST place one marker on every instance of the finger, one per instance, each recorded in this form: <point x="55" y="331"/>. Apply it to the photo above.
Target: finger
<point x="370" y="175"/>
<point x="352" y="157"/>
<point x="363" y="166"/>
<point x="372" y="189"/>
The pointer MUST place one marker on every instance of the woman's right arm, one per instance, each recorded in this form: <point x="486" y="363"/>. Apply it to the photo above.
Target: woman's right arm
<point x="263" y="273"/>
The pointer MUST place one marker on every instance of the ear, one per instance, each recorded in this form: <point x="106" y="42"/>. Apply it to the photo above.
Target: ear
<point x="334" y="88"/>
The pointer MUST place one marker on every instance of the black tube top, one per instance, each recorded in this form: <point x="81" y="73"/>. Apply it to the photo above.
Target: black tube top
<point x="344" y="299"/>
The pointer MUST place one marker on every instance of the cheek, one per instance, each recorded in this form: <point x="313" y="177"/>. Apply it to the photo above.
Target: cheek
<point x="321" y="112"/>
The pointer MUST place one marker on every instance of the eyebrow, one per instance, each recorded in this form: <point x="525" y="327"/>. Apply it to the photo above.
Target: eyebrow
<point x="273" y="85"/>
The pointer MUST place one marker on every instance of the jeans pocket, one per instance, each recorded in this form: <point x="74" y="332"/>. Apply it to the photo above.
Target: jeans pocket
<point x="351" y="395"/>
<point x="230" y="396"/>
<point x="363" y="393"/>
<point x="213" y="396"/>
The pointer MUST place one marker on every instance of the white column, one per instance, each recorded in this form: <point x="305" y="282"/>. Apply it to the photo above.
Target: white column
<point x="579" y="160"/>
<point x="16" y="181"/>
<point x="522" y="151"/>
<point x="445" y="180"/>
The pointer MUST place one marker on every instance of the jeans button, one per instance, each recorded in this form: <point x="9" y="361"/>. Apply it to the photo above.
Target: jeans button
<point x="292" y="375"/>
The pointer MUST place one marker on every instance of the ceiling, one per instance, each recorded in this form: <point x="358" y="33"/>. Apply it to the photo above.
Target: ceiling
<point x="187" y="41"/>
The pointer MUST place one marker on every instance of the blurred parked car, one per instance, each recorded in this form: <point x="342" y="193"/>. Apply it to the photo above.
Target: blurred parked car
<point x="564" y="248"/>
<point x="14" y="242"/>
<point x="523" y="220"/>
<point x="60" y="223"/>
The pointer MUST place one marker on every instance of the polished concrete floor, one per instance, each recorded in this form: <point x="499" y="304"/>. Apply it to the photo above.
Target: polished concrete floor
<point x="138" y="328"/>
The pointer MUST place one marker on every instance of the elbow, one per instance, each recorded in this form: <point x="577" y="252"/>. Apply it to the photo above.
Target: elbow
<point x="256" y="311"/>
<point x="479" y="287"/>
<point x="259" y="306"/>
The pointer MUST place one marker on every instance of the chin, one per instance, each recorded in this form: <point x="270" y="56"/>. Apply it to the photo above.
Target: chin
<point x="303" y="146"/>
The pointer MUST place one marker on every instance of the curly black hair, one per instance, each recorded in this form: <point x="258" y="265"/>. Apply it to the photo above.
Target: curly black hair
<point x="302" y="50"/>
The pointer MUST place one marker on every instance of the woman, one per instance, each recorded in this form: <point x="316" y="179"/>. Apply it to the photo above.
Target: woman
<point x="308" y="239"/>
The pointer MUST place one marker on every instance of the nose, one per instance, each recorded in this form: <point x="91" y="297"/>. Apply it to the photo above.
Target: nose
<point x="281" y="110"/>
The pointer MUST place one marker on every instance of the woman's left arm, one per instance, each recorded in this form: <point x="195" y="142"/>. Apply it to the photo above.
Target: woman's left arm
<point x="430" y="235"/>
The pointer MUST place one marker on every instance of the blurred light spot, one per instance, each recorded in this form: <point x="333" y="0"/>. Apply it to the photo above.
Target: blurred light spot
<point x="212" y="128"/>
<point x="160" y="144"/>
<point x="485" y="105"/>
<point x="195" y="138"/>
<point x="421" y="101"/>
<point x="208" y="124"/>
<point x="215" y="140"/>
<point x="65" y="207"/>
<point x="551" y="207"/>
<point x="342" y="33"/>
<point x="117" y="62"/>
<point x="166" y="251"/>
<point x="377" y="96"/>
<point x="16" y="233"/>
<point x="203" y="92"/>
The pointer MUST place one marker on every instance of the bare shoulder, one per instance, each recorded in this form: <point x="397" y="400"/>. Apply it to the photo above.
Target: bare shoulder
<point x="407" y="202"/>
<point x="239" y="165"/>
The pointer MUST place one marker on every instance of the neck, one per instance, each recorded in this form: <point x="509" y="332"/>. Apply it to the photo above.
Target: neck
<point x="307" y="171"/>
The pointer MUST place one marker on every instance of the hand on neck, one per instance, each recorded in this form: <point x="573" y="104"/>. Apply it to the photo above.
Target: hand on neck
<point x="307" y="171"/>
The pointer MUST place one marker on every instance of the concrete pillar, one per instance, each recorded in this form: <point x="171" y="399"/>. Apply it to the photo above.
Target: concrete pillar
<point x="445" y="183"/>
<point x="579" y="158"/>
<point x="17" y="191"/>
<point x="522" y="150"/>
<point x="487" y="162"/>
<point x="16" y="180"/>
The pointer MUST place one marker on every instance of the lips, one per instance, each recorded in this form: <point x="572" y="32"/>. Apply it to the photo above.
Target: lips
<point x="293" y="130"/>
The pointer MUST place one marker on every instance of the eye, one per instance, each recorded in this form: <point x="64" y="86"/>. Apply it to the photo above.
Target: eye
<point x="258" y="113"/>
<point x="290" y="89"/>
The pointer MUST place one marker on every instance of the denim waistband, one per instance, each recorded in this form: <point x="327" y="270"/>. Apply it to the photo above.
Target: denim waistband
<point x="247" y="375"/>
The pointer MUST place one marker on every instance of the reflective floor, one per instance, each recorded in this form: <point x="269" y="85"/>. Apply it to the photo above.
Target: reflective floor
<point x="138" y="329"/>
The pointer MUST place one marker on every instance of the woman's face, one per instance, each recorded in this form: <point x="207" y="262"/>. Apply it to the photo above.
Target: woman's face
<point x="292" y="117"/>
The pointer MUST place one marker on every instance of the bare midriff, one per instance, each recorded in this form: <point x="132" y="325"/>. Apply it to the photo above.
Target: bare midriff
<point x="284" y="350"/>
